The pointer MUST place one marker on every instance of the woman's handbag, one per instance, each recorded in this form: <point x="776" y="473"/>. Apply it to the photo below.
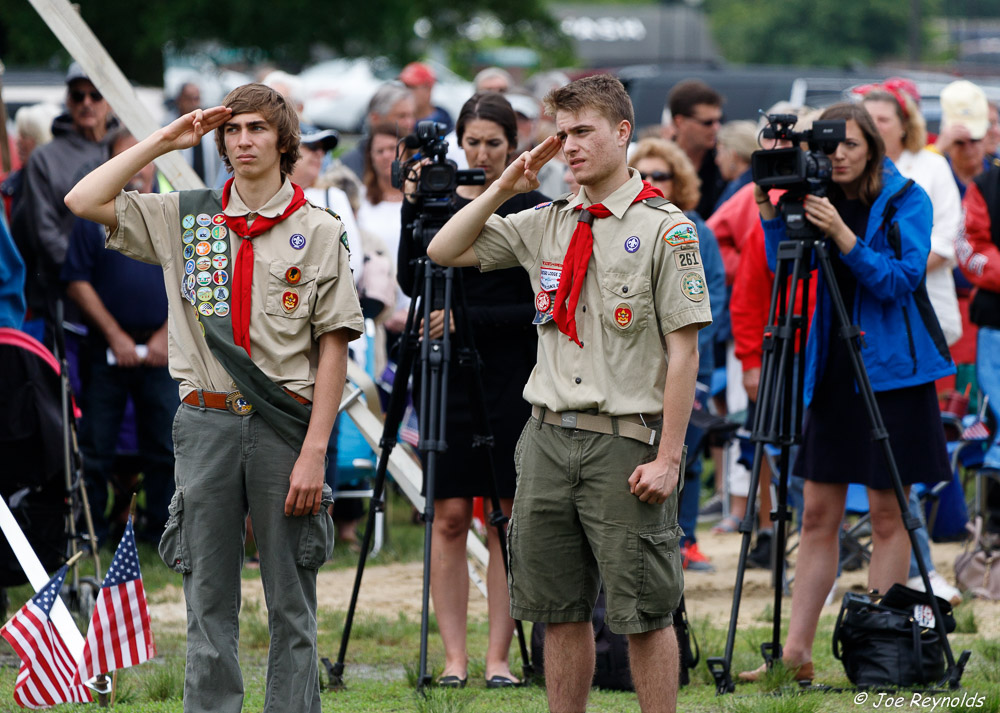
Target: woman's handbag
<point x="892" y="640"/>
<point x="974" y="570"/>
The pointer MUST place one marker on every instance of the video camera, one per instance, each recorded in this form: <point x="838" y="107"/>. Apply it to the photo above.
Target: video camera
<point x="799" y="172"/>
<point x="440" y="176"/>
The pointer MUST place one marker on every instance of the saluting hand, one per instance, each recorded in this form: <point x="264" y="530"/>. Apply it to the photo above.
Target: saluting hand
<point x="186" y="131"/>
<point x="521" y="176"/>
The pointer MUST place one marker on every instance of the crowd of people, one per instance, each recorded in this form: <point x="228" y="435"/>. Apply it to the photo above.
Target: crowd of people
<point x="631" y="245"/>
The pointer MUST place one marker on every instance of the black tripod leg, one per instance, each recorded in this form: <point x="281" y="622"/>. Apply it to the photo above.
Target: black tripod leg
<point x="852" y="335"/>
<point x="472" y="372"/>
<point x="393" y="417"/>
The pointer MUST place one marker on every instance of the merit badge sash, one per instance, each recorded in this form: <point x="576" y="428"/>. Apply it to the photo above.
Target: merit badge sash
<point x="208" y="264"/>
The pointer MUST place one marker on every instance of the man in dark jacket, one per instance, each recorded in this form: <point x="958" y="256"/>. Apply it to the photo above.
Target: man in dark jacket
<point x="42" y="224"/>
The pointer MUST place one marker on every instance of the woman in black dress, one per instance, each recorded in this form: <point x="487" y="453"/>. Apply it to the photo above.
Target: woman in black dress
<point x="500" y="310"/>
<point x="878" y="226"/>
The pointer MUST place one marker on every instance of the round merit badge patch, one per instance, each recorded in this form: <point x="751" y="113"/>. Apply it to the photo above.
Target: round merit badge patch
<point x="293" y="275"/>
<point x="693" y="286"/>
<point x="632" y="244"/>
<point x="543" y="301"/>
<point x="623" y="315"/>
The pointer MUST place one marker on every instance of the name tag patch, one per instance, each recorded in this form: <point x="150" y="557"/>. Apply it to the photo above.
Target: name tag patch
<point x="686" y="259"/>
<point x="681" y="234"/>
<point x="549" y="276"/>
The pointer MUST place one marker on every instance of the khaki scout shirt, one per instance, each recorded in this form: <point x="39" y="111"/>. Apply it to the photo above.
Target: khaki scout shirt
<point x="644" y="280"/>
<point x="282" y="343"/>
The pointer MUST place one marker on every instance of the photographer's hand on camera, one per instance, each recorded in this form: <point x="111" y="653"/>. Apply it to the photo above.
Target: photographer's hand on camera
<point x="764" y="205"/>
<point x="821" y="213"/>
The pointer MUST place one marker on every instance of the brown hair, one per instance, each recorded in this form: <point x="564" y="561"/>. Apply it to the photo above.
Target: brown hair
<point x="260" y="99"/>
<point x="600" y="92"/>
<point x="368" y="177"/>
<point x="489" y="106"/>
<point x="870" y="184"/>
<point x="914" y="126"/>
<point x="687" y="94"/>
<point x="686" y="185"/>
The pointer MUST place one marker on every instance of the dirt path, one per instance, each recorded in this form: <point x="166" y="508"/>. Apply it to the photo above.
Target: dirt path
<point x="389" y="589"/>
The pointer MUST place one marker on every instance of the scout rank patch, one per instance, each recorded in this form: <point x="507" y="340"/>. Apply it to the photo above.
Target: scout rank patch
<point x="693" y="286"/>
<point x="289" y="300"/>
<point x="206" y="300"/>
<point x="548" y="279"/>
<point x="623" y="315"/>
<point x="682" y="233"/>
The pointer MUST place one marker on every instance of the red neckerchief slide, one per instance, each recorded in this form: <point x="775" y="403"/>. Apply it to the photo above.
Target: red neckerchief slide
<point x="581" y="247"/>
<point x="243" y="268"/>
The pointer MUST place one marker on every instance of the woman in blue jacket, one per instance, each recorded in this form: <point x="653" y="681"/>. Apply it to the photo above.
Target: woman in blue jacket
<point x="878" y="225"/>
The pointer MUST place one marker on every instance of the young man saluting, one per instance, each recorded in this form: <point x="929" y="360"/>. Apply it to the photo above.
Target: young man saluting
<point x="617" y="278"/>
<point x="261" y="307"/>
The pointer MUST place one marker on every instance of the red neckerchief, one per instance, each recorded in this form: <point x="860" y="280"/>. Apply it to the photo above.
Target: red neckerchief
<point x="243" y="267"/>
<point x="581" y="247"/>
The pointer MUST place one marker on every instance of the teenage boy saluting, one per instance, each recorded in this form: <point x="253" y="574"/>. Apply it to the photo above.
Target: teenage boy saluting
<point x="617" y="278"/>
<point x="261" y="306"/>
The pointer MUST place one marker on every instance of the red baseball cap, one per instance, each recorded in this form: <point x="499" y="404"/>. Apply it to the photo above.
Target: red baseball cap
<point x="417" y="74"/>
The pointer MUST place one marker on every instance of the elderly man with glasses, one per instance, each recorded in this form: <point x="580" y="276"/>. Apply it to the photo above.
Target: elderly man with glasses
<point x="42" y="224"/>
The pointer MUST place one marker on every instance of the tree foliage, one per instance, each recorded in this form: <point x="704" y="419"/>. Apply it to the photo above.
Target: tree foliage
<point x="806" y="32"/>
<point x="288" y="32"/>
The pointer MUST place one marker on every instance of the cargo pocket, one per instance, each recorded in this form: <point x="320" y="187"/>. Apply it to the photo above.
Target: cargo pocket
<point x="662" y="575"/>
<point x="173" y="547"/>
<point x="316" y="540"/>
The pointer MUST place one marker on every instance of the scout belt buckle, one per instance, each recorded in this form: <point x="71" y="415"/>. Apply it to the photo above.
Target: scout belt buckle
<point x="238" y="404"/>
<point x="568" y="419"/>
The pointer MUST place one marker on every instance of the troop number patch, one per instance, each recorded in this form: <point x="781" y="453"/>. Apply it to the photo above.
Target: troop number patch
<point x="687" y="259"/>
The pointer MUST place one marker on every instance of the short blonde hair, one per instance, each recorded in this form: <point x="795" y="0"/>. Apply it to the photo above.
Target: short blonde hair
<point x="687" y="185"/>
<point x="740" y="137"/>
<point x="600" y="92"/>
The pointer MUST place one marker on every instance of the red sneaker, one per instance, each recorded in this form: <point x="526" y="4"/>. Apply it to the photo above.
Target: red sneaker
<point x="694" y="560"/>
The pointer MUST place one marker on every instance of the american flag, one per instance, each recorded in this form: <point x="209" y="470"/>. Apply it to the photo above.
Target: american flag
<point x="119" y="634"/>
<point x="977" y="431"/>
<point x="46" y="674"/>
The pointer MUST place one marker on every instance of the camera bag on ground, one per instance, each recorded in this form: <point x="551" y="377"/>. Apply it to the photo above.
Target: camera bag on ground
<point x="891" y="641"/>
<point x="612" y="670"/>
<point x="974" y="570"/>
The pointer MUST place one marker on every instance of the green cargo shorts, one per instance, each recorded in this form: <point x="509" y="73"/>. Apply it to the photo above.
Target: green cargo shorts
<point x="575" y="524"/>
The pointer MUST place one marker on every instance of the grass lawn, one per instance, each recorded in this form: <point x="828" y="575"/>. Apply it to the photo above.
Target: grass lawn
<point x="381" y="664"/>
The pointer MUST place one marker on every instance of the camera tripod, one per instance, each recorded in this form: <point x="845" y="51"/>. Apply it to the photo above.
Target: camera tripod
<point x="778" y="421"/>
<point x="441" y="289"/>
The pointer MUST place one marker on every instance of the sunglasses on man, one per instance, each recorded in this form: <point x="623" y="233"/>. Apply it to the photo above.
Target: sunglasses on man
<point x="707" y="123"/>
<point x="78" y="96"/>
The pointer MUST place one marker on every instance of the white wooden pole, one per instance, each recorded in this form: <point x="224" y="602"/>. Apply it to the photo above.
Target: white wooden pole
<point x="78" y="39"/>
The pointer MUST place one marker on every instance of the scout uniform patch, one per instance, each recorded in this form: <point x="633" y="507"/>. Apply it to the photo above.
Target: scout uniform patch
<point x="289" y="300"/>
<point x="686" y="259"/>
<point x="632" y="244"/>
<point x="623" y="315"/>
<point x="548" y="278"/>
<point x="681" y="234"/>
<point x="187" y="221"/>
<point x="693" y="286"/>
<point x="293" y="275"/>
<point x="297" y="241"/>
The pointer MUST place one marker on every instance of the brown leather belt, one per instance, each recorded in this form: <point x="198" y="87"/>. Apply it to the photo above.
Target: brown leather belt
<point x="229" y="401"/>
<point x="630" y="426"/>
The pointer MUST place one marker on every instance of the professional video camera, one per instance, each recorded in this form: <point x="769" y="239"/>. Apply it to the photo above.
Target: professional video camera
<point x="799" y="172"/>
<point x="436" y="178"/>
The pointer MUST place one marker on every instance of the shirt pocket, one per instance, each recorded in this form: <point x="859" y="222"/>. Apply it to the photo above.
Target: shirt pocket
<point x="627" y="302"/>
<point x="290" y="289"/>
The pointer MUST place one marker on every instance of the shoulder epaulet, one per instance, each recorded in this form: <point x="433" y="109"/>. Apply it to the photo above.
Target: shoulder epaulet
<point x="564" y="198"/>
<point x="333" y="214"/>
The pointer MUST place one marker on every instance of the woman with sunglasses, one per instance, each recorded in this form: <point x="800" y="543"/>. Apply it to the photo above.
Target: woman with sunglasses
<point x="667" y="168"/>
<point x="878" y="229"/>
<point x="500" y="309"/>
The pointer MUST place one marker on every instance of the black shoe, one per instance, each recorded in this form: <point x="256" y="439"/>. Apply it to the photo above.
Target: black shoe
<point x="501" y="682"/>
<point x="452" y="682"/>
<point x="760" y="555"/>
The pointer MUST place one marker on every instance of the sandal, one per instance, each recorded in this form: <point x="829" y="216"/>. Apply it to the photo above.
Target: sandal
<point x="730" y="523"/>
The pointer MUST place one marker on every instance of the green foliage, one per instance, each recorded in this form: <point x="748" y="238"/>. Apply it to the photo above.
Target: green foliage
<point x="775" y="704"/>
<point x="965" y="620"/>
<point x="135" y="39"/>
<point x="164" y="680"/>
<point x="799" y="32"/>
